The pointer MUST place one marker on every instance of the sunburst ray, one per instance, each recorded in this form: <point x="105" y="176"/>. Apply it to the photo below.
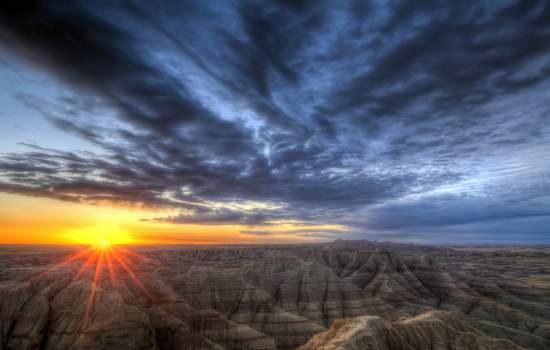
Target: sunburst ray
<point x="103" y="259"/>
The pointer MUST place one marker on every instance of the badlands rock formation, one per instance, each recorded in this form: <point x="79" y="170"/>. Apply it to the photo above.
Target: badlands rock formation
<point x="432" y="330"/>
<point x="274" y="297"/>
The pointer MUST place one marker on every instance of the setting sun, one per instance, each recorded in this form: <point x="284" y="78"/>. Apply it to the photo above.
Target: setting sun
<point x="102" y="234"/>
<point x="103" y="243"/>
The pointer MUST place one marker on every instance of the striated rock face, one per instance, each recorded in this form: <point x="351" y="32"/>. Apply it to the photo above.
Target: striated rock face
<point x="275" y="297"/>
<point x="433" y="330"/>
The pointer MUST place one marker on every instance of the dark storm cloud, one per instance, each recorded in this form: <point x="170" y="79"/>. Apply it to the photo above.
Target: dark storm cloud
<point x="456" y="54"/>
<point x="220" y="217"/>
<point x="352" y="114"/>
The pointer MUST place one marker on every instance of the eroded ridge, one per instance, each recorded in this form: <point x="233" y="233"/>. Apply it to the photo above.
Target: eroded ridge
<point x="265" y="297"/>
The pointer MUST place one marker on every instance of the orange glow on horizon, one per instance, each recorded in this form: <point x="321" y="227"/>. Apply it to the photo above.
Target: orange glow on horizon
<point x="32" y="220"/>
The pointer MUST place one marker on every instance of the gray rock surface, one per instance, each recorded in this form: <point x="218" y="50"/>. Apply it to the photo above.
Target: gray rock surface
<point x="268" y="297"/>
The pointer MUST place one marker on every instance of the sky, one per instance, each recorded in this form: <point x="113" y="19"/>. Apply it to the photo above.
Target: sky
<point x="275" y="121"/>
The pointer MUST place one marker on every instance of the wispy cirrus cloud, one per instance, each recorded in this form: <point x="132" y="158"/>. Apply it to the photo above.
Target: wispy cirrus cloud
<point x="373" y="115"/>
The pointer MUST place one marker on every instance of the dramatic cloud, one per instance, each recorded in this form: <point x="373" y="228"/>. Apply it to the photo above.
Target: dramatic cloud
<point x="402" y="119"/>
